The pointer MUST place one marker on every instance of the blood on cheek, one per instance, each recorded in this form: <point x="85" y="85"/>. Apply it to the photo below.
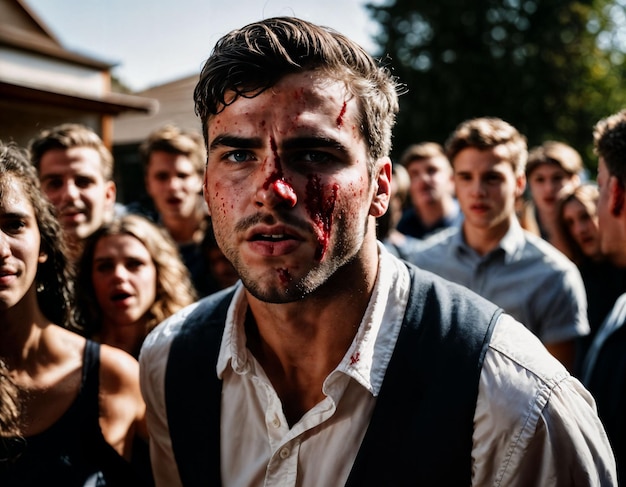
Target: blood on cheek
<point x="320" y="204"/>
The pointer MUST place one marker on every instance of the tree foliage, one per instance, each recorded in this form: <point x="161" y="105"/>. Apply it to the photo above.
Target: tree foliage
<point x="552" y="68"/>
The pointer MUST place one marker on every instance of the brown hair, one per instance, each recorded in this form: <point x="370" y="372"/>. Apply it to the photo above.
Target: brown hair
<point x="555" y="153"/>
<point x="67" y="136"/>
<point x="486" y="133"/>
<point x="174" y="140"/>
<point x="423" y="150"/>
<point x="248" y="61"/>
<point x="609" y="138"/>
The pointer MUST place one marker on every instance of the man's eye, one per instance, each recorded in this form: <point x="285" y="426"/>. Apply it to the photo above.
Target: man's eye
<point x="104" y="266"/>
<point x="53" y="184"/>
<point x="84" y="182"/>
<point x="133" y="265"/>
<point x="237" y="156"/>
<point x="315" y="157"/>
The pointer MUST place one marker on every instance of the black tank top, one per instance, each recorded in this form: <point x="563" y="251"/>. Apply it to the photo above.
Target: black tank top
<point x="73" y="451"/>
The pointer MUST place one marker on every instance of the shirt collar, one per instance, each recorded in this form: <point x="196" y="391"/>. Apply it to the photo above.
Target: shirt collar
<point x="367" y="357"/>
<point x="511" y="244"/>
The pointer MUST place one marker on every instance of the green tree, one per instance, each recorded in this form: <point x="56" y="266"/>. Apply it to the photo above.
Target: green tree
<point x="552" y="68"/>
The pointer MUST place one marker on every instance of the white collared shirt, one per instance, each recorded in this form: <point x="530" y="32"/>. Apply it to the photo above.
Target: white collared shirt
<point x="533" y="421"/>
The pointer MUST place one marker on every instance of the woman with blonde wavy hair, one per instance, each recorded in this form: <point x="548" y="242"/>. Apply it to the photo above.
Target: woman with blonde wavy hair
<point x="130" y="278"/>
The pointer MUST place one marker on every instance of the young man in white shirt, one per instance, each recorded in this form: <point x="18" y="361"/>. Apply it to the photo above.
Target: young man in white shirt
<point x="332" y="362"/>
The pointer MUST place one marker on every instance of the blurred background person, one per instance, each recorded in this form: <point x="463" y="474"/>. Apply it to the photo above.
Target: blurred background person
<point x="604" y="368"/>
<point x="76" y="173"/>
<point x="130" y="278"/>
<point x="491" y="254"/>
<point x="397" y="243"/>
<point x="173" y="161"/>
<point x="553" y="168"/>
<point x="220" y="272"/>
<point x="79" y="408"/>
<point x="604" y="282"/>
<point x="433" y="206"/>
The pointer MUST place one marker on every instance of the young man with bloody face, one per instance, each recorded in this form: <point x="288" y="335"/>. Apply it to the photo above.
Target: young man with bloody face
<point x="332" y="362"/>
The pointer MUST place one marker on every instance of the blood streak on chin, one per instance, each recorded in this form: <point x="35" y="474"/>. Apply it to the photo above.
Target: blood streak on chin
<point x="283" y="275"/>
<point x="321" y="210"/>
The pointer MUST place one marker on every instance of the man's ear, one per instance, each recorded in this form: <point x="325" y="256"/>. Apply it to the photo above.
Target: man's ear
<point x="382" y="186"/>
<point x="520" y="185"/>
<point x="110" y="196"/>
<point x="111" y="192"/>
<point x="616" y="196"/>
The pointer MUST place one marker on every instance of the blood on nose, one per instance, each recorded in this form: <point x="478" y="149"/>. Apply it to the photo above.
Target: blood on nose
<point x="285" y="191"/>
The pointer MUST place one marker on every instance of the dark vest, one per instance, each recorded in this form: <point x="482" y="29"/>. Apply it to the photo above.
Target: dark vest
<point x="421" y="429"/>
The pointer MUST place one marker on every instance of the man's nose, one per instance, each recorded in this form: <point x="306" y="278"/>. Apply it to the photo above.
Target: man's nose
<point x="272" y="187"/>
<point x="71" y="191"/>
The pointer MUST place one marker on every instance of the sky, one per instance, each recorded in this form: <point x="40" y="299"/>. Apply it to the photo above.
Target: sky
<point x="151" y="42"/>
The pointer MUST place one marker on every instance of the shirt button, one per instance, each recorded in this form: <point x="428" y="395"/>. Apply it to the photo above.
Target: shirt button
<point x="284" y="453"/>
<point x="275" y="422"/>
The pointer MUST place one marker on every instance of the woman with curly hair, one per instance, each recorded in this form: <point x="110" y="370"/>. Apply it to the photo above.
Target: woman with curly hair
<point x="77" y="407"/>
<point x="130" y="278"/>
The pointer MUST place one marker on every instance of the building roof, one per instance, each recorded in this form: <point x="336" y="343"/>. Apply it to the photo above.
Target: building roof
<point x="33" y="62"/>
<point x="175" y="106"/>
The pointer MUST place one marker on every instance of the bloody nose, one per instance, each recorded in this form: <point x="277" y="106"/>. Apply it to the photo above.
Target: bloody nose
<point x="285" y="191"/>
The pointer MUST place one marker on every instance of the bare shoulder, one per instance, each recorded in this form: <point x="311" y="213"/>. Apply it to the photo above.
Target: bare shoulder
<point x="118" y="369"/>
<point x="122" y="409"/>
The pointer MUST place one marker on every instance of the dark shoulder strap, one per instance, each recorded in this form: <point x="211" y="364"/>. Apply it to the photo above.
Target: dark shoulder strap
<point x="193" y="392"/>
<point x="91" y="379"/>
<point x="421" y="428"/>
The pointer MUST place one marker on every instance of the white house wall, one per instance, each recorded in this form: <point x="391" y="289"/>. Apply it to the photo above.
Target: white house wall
<point x="32" y="70"/>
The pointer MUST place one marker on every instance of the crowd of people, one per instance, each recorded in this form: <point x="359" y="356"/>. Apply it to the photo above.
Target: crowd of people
<point x="291" y="307"/>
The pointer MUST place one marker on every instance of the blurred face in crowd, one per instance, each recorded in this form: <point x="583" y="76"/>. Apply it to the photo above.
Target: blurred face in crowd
<point x="73" y="181"/>
<point x="583" y="227"/>
<point x="174" y="185"/>
<point x="486" y="187"/>
<point x="431" y="181"/>
<point x="546" y="183"/>
<point x="20" y="240"/>
<point x="124" y="280"/>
